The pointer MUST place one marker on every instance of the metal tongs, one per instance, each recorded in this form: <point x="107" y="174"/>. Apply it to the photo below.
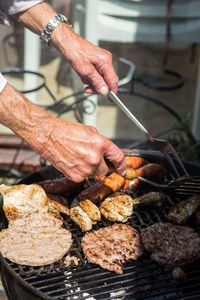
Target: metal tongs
<point x="162" y="145"/>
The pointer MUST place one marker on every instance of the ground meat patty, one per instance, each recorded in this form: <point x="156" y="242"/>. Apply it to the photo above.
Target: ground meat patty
<point x="36" y="240"/>
<point x="171" y="244"/>
<point x="112" y="246"/>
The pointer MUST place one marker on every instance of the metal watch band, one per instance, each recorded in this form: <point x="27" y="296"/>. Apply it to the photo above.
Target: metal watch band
<point x="53" y="23"/>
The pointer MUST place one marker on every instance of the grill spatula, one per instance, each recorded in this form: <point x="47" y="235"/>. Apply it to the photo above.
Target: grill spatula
<point x="182" y="186"/>
<point x="162" y="145"/>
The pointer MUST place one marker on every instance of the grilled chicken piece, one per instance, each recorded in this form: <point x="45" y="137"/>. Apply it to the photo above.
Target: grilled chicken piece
<point x="84" y="213"/>
<point x="20" y="200"/>
<point x="91" y="209"/>
<point x="112" y="246"/>
<point x="181" y="213"/>
<point x="117" y="208"/>
<point x="81" y="218"/>
<point x="35" y="240"/>
<point x="171" y="244"/>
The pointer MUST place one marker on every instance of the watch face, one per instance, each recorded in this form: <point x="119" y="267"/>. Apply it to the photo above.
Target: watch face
<point x="53" y="23"/>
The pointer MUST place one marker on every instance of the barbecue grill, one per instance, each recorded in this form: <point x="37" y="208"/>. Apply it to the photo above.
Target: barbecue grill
<point x="141" y="280"/>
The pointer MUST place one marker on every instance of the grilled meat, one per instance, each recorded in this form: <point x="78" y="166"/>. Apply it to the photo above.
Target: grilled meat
<point x="21" y="200"/>
<point x="117" y="208"/>
<point x="130" y="184"/>
<point x="152" y="171"/>
<point x="112" y="246"/>
<point x="197" y="219"/>
<point x="81" y="218"/>
<point x="71" y="261"/>
<point x="135" y="162"/>
<point x="91" y="209"/>
<point x="181" y="212"/>
<point x="102" y="189"/>
<point x="61" y="186"/>
<point x="178" y="274"/>
<point x="130" y="173"/>
<point x="35" y="240"/>
<point x="171" y="244"/>
<point x="155" y="198"/>
<point x="197" y="216"/>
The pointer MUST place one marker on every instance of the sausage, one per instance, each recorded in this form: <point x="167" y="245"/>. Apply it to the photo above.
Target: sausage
<point x="151" y="171"/>
<point x="102" y="189"/>
<point x="181" y="212"/>
<point x="130" y="185"/>
<point x="95" y="193"/>
<point x="61" y="186"/>
<point x="135" y="162"/>
<point x="130" y="173"/>
<point x="114" y="181"/>
<point x="155" y="198"/>
<point x="100" y="178"/>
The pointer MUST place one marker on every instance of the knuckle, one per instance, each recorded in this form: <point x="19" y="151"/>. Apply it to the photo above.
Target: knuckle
<point x="95" y="160"/>
<point x="92" y="128"/>
<point x="99" y="143"/>
<point x="106" y="56"/>
<point x="88" y="73"/>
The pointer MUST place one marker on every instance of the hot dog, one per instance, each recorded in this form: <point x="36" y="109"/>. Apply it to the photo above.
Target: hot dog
<point x="135" y="162"/>
<point x="151" y="171"/>
<point x="60" y="186"/>
<point x="130" y="185"/>
<point x="101" y="190"/>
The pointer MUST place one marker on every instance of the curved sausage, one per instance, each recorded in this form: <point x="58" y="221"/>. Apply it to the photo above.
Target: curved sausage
<point x="151" y="171"/>
<point x="102" y="189"/>
<point x="60" y="186"/>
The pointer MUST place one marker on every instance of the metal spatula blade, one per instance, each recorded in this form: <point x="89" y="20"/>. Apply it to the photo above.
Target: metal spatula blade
<point x="182" y="186"/>
<point x="166" y="148"/>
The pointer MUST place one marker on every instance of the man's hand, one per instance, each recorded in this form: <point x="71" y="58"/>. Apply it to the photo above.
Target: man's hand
<point x="76" y="150"/>
<point x="93" y="64"/>
<point x="79" y="151"/>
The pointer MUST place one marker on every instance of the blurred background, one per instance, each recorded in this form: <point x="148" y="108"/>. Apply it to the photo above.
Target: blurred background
<point x="155" y="47"/>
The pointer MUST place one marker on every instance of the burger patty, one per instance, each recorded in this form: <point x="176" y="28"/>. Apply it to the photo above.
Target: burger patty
<point x="112" y="246"/>
<point x="171" y="244"/>
<point x="35" y="240"/>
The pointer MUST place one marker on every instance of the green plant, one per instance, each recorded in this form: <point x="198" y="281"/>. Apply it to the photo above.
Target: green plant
<point x="181" y="138"/>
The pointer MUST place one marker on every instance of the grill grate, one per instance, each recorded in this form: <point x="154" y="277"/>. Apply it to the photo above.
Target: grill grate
<point x="141" y="280"/>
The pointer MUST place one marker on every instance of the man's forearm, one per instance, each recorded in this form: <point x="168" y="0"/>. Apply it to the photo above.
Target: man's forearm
<point x="91" y="63"/>
<point x="37" y="17"/>
<point x="24" y="117"/>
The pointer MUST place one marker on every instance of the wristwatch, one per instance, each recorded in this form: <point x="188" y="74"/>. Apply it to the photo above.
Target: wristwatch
<point x="53" y="23"/>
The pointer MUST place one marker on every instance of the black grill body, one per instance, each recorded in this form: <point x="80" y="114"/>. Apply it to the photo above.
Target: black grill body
<point x="141" y="280"/>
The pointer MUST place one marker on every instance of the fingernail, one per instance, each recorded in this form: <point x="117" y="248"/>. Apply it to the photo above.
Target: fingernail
<point x="122" y="170"/>
<point x="103" y="90"/>
<point x="123" y="173"/>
